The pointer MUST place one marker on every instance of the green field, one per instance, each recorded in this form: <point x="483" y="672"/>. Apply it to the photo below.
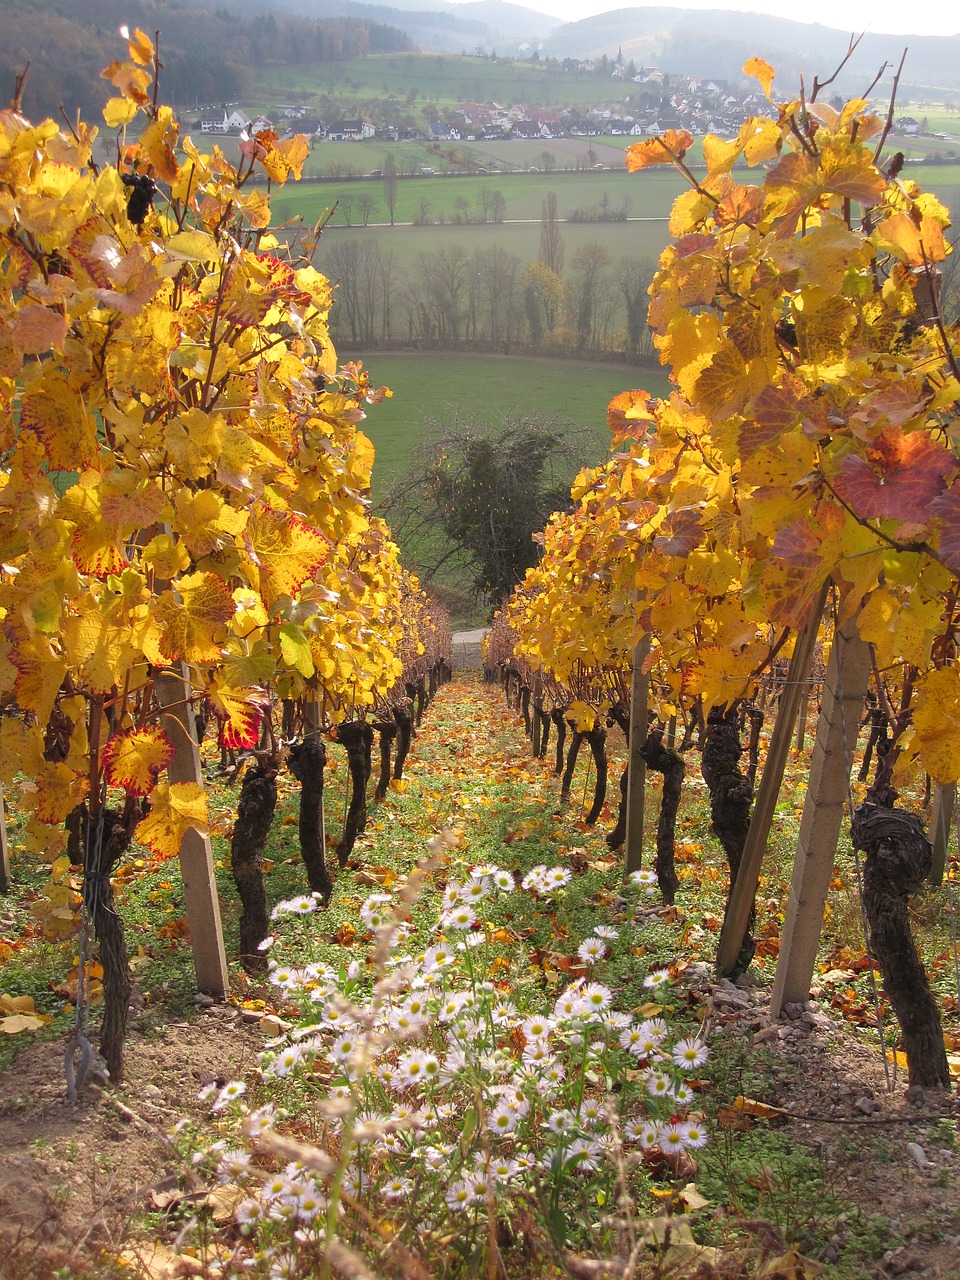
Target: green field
<point x="435" y="388"/>
<point x="439" y="78"/>
<point x="647" y="195"/>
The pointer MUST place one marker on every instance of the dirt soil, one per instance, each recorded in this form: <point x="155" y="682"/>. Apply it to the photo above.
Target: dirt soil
<point x="74" y="1179"/>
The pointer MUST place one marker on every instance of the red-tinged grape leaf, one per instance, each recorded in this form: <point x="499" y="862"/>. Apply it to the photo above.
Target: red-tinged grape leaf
<point x="630" y="416"/>
<point x="240" y="713"/>
<point x="775" y="410"/>
<point x="175" y="808"/>
<point x="286" y="551"/>
<point x="913" y="473"/>
<point x="56" y="414"/>
<point x="192" y="617"/>
<point x="760" y="70"/>
<point x="811" y="544"/>
<point x="134" y="760"/>
<point x="40" y="674"/>
<point x="672" y="143"/>
<point x="39" y="329"/>
<point x="680" y="532"/>
<point x="936" y="723"/>
<point x="130" y="501"/>
<point x="946" y="508"/>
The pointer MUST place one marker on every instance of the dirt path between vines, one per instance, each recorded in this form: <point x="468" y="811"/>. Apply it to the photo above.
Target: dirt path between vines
<point x="76" y="1181"/>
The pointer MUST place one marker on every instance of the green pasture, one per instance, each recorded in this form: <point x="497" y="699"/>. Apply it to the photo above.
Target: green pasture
<point x="647" y="195"/>
<point x="439" y="78"/>
<point x="437" y="389"/>
<point x="620" y="239"/>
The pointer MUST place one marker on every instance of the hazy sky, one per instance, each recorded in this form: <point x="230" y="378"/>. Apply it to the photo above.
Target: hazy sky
<point x="880" y="16"/>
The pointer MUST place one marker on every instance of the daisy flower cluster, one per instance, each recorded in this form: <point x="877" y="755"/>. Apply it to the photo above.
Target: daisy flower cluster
<point x="435" y="1082"/>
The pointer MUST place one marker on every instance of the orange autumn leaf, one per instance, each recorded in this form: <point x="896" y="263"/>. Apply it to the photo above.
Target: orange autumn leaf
<point x="672" y="145"/>
<point x="760" y="70"/>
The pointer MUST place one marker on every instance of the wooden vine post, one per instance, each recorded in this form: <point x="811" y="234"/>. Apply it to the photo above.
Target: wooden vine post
<point x="845" y="687"/>
<point x="744" y="891"/>
<point x="196" y="855"/>
<point x="636" y="767"/>
<point x="941" y="819"/>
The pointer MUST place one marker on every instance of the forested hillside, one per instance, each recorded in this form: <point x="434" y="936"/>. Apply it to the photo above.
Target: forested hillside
<point x="209" y="55"/>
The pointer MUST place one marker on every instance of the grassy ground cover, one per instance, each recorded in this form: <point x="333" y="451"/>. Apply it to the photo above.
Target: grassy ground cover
<point x="446" y="388"/>
<point x="471" y="774"/>
<point x="648" y="195"/>
<point x="441" y="78"/>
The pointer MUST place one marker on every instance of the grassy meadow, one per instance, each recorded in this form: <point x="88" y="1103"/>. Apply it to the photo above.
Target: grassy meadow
<point x="445" y="389"/>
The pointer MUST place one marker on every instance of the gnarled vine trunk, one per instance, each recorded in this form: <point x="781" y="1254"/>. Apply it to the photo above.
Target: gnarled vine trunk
<point x="403" y="715"/>
<point x="356" y="736"/>
<point x="258" y="803"/>
<point x="99" y="851"/>
<point x="671" y="764"/>
<point x="576" y="742"/>
<point x="307" y="760"/>
<point x="597" y="738"/>
<point x="388" y="730"/>
<point x="730" y="798"/>
<point x="557" y="717"/>
<point x="897" y="862"/>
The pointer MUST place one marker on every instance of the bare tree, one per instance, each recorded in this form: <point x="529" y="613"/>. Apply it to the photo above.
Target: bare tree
<point x="366" y="203"/>
<point x="634" y="276"/>
<point x="390" y="185"/>
<point x="551" y="241"/>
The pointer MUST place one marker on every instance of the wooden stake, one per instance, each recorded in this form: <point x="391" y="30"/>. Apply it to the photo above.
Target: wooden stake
<point x="845" y="687"/>
<point x="637" y="769"/>
<point x="196" y="855"/>
<point x="748" y="877"/>
<point x="941" y="820"/>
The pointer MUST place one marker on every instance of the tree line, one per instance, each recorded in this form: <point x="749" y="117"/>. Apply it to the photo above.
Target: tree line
<point x="209" y="55"/>
<point x="489" y="298"/>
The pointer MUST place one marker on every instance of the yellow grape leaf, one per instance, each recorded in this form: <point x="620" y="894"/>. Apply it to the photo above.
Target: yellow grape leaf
<point x="140" y="47"/>
<point x="192" y="625"/>
<point x="295" y="649"/>
<point x="673" y="143"/>
<point x="55" y="412"/>
<point x="192" y="246"/>
<point x="284" y="158"/>
<point x="175" y="808"/>
<point x="118" y="112"/>
<point x="719" y="675"/>
<point x="16" y="1004"/>
<point x="760" y="70"/>
<point x="936" y="723"/>
<point x="791" y="1265"/>
<point x="134" y="760"/>
<point x="18" y="1022"/>
<point x="286" y="551"/>
<point x="750" y="1107"/>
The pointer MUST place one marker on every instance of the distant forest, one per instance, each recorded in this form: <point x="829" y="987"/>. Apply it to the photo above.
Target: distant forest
<point x="209" y="55"/>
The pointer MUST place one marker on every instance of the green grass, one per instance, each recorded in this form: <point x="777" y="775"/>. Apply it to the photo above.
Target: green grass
<point x="440" y="78"/>
<point x="647" y="195"/>
<point x="440" y="388"/>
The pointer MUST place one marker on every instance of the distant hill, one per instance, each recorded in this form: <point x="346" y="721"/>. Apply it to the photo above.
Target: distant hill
<point x="716" y="44"/>
<point x="678" y="41"/>
<point x="434" y="25"/>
